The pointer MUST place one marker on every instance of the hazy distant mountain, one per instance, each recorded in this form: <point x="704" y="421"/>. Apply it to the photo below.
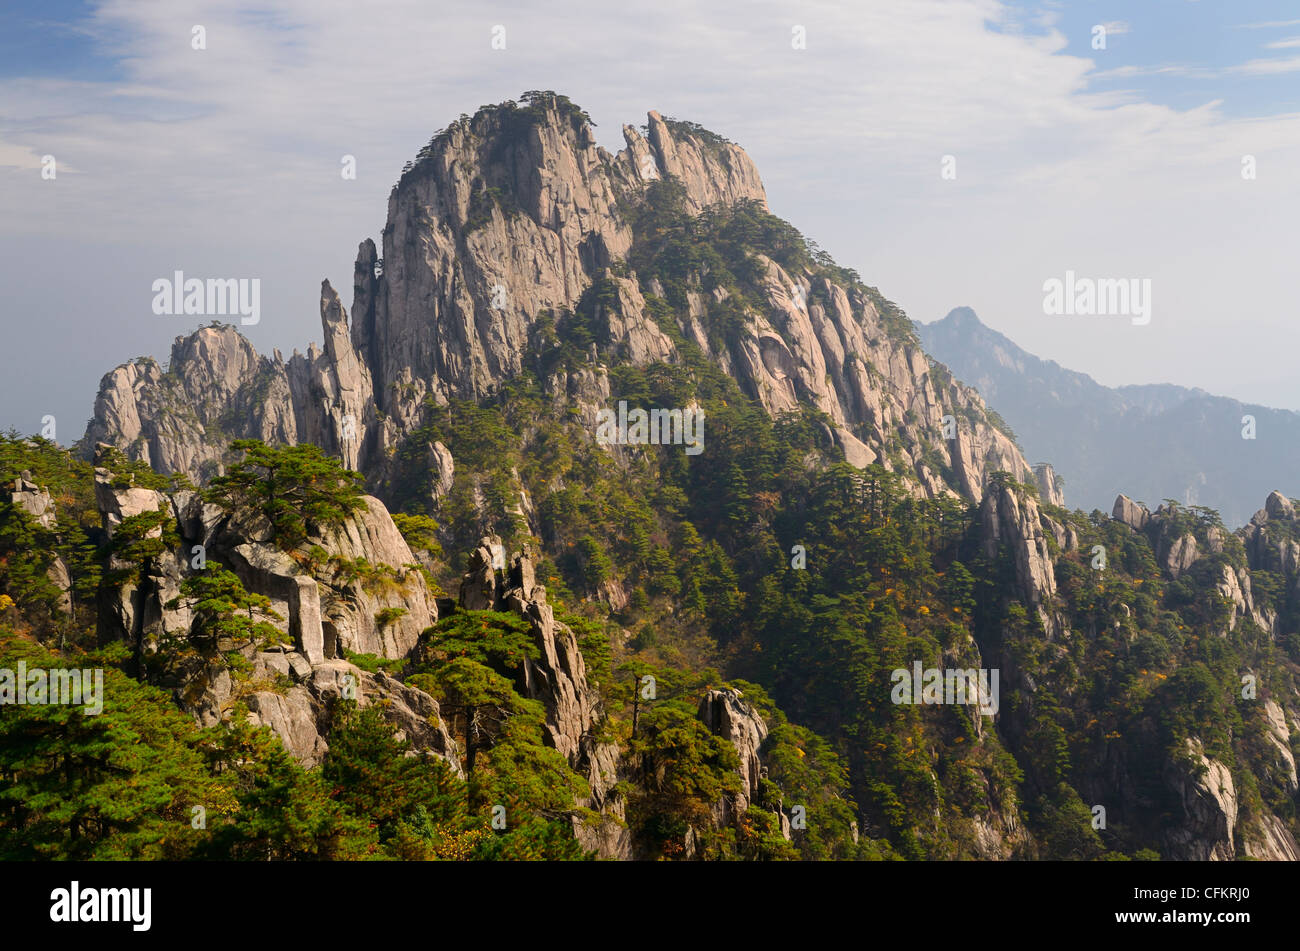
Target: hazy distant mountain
<point x="1150" y="442"/>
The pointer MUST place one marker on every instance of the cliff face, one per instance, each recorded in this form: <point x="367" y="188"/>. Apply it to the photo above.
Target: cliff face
<point x="558" y="678"/>
<point x="1193" y="796"/>
<point x="323" y="614"/>
<point x="509" y="214"/>
<point x="1011" y="520"/>
<point x="217" y="388"/>
<point x="512" y="215"/>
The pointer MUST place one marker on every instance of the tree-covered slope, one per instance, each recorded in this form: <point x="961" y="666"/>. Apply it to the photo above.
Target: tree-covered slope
<point x="630" y="650"/>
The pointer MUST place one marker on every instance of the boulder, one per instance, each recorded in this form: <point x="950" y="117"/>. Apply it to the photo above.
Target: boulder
<point x="1132" y="514"/>
<point x="304" y="608"/>
<point x="294" y="718"/>
<point x="34" y="500"/>
<point x="443" y="468"/>
<point x="1279" y="506"/>
<point x="1049" y="484"/>
<point x="300" y="715"/>
<point x="118" y="503"/>
<point x="478" y="586"/>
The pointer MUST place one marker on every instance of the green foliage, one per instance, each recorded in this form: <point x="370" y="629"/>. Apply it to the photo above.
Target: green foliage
<point x="26" y="556"/>
<point x="804" y="770"/>
<point x="224" y="610"/>
<point x="298" y="489"/>
<point x="684" y="770"/>
<point x="681" y="128"/>
<point x="373" y="663"/>
<point x="128" y="473"/>
<point x="387" y="616"/>
<point x="368" y="773"/>
<point x="482" y="203"/>
<point x="420" y="532"/>
<point x="114" y="785"/>
<point x="593" y="641"/>
<point x="29" y="551"/>
<point x="535" y="102"/>
<point x="490" y="638"/>
<point x="1067" y="827"/>
<point x="138" y="542"/>
<point x="281" y="811"/>
<point x="536" y="839"/>
<point x="594" y="564"/>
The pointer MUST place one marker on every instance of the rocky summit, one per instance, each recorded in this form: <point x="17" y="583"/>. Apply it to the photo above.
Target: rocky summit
<point x="516" y="215"/>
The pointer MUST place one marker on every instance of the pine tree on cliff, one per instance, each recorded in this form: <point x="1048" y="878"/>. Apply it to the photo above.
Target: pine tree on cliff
<point x="298" y="488"/>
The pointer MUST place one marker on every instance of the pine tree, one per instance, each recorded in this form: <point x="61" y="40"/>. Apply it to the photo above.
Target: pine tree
<point x="224" y="609"/>
<point x="368" y="773"/>
<point x="298" y="489"/>
<point x="120" y="784"/>
<point x="282" y="812"/>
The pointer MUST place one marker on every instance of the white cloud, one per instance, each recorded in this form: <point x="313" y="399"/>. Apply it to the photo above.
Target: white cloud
<point x="1268" y="25"/>
<point x="1170" y="69"/>
<point x="1267" y="67"/>
<point x="17" y="156"/>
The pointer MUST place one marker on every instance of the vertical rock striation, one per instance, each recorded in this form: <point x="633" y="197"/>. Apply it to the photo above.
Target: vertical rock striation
<point x="512" y="215"/>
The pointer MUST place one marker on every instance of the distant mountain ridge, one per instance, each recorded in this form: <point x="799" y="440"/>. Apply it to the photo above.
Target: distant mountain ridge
<point x="1149" y="441"/>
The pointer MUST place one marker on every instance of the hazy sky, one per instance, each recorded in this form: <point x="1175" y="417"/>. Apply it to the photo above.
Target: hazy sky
<point x="225" y="162"/>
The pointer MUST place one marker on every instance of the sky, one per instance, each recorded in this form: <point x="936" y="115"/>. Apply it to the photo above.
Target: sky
<point x="1123" y="162"/>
